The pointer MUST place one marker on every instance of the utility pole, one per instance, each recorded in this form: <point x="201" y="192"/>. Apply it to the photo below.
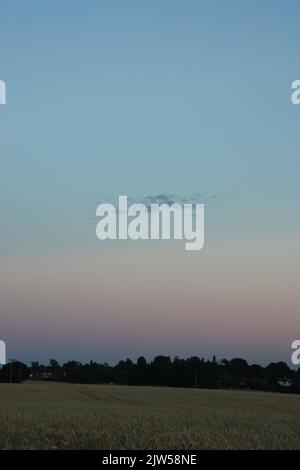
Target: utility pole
<point x="11" y="370"/>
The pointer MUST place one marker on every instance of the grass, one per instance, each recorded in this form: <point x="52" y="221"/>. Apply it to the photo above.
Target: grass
<point x="41" y="415"/>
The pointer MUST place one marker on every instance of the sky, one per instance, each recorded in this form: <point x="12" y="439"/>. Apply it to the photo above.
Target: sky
<point x="190" y="99"/>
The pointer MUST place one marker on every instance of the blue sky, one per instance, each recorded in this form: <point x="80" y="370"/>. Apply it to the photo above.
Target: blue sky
<point x="143" y="98"/>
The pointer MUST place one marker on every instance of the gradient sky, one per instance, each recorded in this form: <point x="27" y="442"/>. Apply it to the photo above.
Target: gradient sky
<point x="145" y="98"/>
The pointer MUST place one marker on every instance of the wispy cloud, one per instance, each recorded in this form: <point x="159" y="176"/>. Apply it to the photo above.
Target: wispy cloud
<point x="169" y="199"/>
<point x="215" y="199"/>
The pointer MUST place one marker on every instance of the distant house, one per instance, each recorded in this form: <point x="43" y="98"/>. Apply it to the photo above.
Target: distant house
<point x="48" y="375"/>
<point x="285" y="382"/>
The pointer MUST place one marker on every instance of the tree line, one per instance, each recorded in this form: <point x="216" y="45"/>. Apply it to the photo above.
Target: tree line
<point x="163" y="371"/>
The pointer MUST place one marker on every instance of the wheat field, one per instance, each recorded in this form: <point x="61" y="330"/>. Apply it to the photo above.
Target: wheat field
<point x="43" y="415"/>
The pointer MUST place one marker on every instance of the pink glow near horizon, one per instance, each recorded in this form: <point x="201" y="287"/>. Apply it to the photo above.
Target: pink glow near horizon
<point x="154" y="301"/>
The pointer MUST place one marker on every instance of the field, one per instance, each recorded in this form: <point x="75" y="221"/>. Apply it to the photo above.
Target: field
<point x="40" y="415"/>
